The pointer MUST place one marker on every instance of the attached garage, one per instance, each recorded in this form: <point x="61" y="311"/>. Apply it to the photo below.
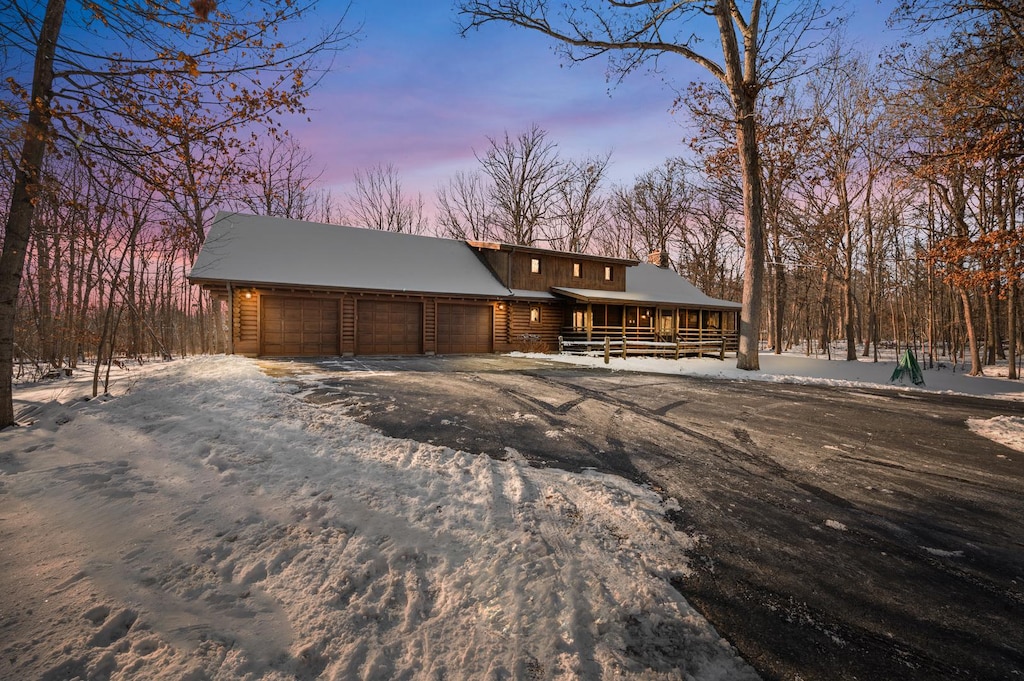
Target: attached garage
<point x="464" y="329"/>
<point x="299" y="326"/>
<point x="388" y="327"/>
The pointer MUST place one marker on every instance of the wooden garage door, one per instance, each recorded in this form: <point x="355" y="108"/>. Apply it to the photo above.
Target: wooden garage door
<point x="464" y="329"/>
<point x="386" y="327"/>
<point x="299" y="326"/>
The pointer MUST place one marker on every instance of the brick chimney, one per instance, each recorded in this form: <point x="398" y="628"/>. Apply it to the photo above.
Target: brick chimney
<point x="659" y="258"/>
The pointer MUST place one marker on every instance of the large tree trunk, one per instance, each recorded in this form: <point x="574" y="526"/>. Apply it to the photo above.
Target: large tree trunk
<point x="753" y="235"/>
<point x="23" y="198"/>
<point x="741" y="76"/>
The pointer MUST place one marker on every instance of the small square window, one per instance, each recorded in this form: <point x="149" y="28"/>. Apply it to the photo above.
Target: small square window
<point x="534" y="315"/>
<point x="535" y="265"/>
<point x="607" y="272"/>
<point x="577" y="269"/>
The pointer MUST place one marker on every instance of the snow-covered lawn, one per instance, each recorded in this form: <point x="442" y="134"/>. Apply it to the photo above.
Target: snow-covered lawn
<point x="204" y="522"/>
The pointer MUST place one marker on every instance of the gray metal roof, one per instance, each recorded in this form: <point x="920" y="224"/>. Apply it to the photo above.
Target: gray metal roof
<point x="647" y="284"/>
<point x="263" y="250"/>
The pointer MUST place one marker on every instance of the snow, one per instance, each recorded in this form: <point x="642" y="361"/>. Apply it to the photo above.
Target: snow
<point x="250" y="249"/>
<point x="947" y="379"/>
<point x="649" y="284"/>
<point x="1007" y="430"/>
<point x="202" y="521"/>
<point x="791" y="368"/>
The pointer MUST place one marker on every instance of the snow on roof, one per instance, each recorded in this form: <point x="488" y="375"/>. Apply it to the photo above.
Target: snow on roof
<point x="263" y="250"/>
<point x="654" y="285"/>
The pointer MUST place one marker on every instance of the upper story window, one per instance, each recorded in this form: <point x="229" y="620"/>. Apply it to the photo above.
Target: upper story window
<point x="534" y="265"/>
<point x="607" y="272"/>
<point x="577" y="270"/>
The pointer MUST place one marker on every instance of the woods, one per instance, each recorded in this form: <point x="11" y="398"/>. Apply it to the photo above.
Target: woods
<point x="842" y="197"/>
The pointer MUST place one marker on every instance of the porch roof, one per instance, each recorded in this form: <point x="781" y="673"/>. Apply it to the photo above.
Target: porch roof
<point x="650" y="285"/>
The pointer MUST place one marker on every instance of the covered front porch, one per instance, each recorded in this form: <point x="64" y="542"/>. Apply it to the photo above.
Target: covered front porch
<point x="656" y="326"/>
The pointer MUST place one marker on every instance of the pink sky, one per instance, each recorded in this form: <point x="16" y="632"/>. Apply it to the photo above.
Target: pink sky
<point x="415" y="94"/>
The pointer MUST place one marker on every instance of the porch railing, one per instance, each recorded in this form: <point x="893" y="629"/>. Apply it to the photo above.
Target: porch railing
<point x="626" y="346"/>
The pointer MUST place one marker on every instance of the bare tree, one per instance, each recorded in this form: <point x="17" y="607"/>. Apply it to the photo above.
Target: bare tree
<point x="379" y="202"/>
<point x="227" y="70"/>
<point x="846" y="104"/>
<point x="280" y="178"/>
<point x="463" y="208"/>
<point x="707" y="247"/>
<point x="525" y="174"/>
<point x="753" y="46"/>
<point x="656" y="207"/>
<point x="581" y="208"/>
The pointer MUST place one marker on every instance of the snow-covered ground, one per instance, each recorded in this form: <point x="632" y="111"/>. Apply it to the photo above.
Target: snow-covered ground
<point x="204" y="522"/>
<point x="793" y="368"/>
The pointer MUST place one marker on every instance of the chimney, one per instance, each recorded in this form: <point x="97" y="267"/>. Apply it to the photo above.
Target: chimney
<point x="659" y="258"/>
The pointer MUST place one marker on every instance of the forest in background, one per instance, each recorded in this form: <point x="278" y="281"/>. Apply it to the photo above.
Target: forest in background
<point x="892" y="209"/>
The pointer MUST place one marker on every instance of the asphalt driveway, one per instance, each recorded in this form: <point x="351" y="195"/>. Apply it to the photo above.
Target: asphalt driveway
<point x="847" y="534"/>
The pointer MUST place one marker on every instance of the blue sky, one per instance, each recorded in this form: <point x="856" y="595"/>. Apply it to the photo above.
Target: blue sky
<point x="414" y="93"/>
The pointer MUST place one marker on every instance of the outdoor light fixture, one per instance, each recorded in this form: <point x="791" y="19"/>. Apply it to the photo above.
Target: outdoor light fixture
<point x="248" y="295"/>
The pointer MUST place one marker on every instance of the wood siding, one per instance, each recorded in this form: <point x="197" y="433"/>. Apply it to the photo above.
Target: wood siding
<point x="523" y="334"/>
<point x="348" y="326"/>
<point x="555" y="270"/>
<point x="245" y="323"/>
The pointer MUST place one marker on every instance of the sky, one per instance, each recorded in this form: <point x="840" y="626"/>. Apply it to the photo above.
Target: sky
<point x="414" y="93"/>
<point x="203" y="520"/>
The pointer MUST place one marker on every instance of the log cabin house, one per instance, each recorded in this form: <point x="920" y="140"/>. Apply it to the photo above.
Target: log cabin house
<point x="298" y="288"/>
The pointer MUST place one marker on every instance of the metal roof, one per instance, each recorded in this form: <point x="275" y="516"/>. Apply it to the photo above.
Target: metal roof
<point x="265" y="250"/>
<point x="255" y="250"/>
<point x="647" y="284"/>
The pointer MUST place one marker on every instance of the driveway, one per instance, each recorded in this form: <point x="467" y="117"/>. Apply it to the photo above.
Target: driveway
<point x="846" y="533"/>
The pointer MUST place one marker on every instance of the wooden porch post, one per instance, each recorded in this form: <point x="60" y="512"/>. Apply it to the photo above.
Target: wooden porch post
<point x="590" y="321"/>
<point x="231" y="319"/>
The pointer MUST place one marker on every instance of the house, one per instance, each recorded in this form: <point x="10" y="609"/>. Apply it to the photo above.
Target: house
<point x="303" y="288"/>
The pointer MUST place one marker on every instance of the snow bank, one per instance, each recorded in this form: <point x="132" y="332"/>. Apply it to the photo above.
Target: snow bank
<point x="1006" y="430"/>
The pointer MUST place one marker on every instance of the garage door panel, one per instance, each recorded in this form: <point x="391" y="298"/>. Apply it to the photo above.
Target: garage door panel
<point x="464" y="329"/>
<point x="386" y="327"/>
<point x="300" y="326"/>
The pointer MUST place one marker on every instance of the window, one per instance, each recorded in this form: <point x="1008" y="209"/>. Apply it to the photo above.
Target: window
<point x="607" y="272"/>
<point x="535" y="265"/>
<point x="534" y="315"/>
<point x="579" y="318"/>
<point x="577" y="270"/>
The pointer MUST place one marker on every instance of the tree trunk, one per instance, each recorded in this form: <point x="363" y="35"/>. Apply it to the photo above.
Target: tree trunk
<point x="779" y="294"/>
<point x="972" y="336"/>
<point x="1011" y="329"/>
<point x="741" y="77"/>
<point x="24" y="194"/>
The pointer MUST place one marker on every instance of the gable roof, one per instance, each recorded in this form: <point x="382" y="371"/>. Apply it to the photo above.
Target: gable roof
<point x="252" y="249"/>
<point x="654" y="285"/>
<point x="247" y="249"/>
